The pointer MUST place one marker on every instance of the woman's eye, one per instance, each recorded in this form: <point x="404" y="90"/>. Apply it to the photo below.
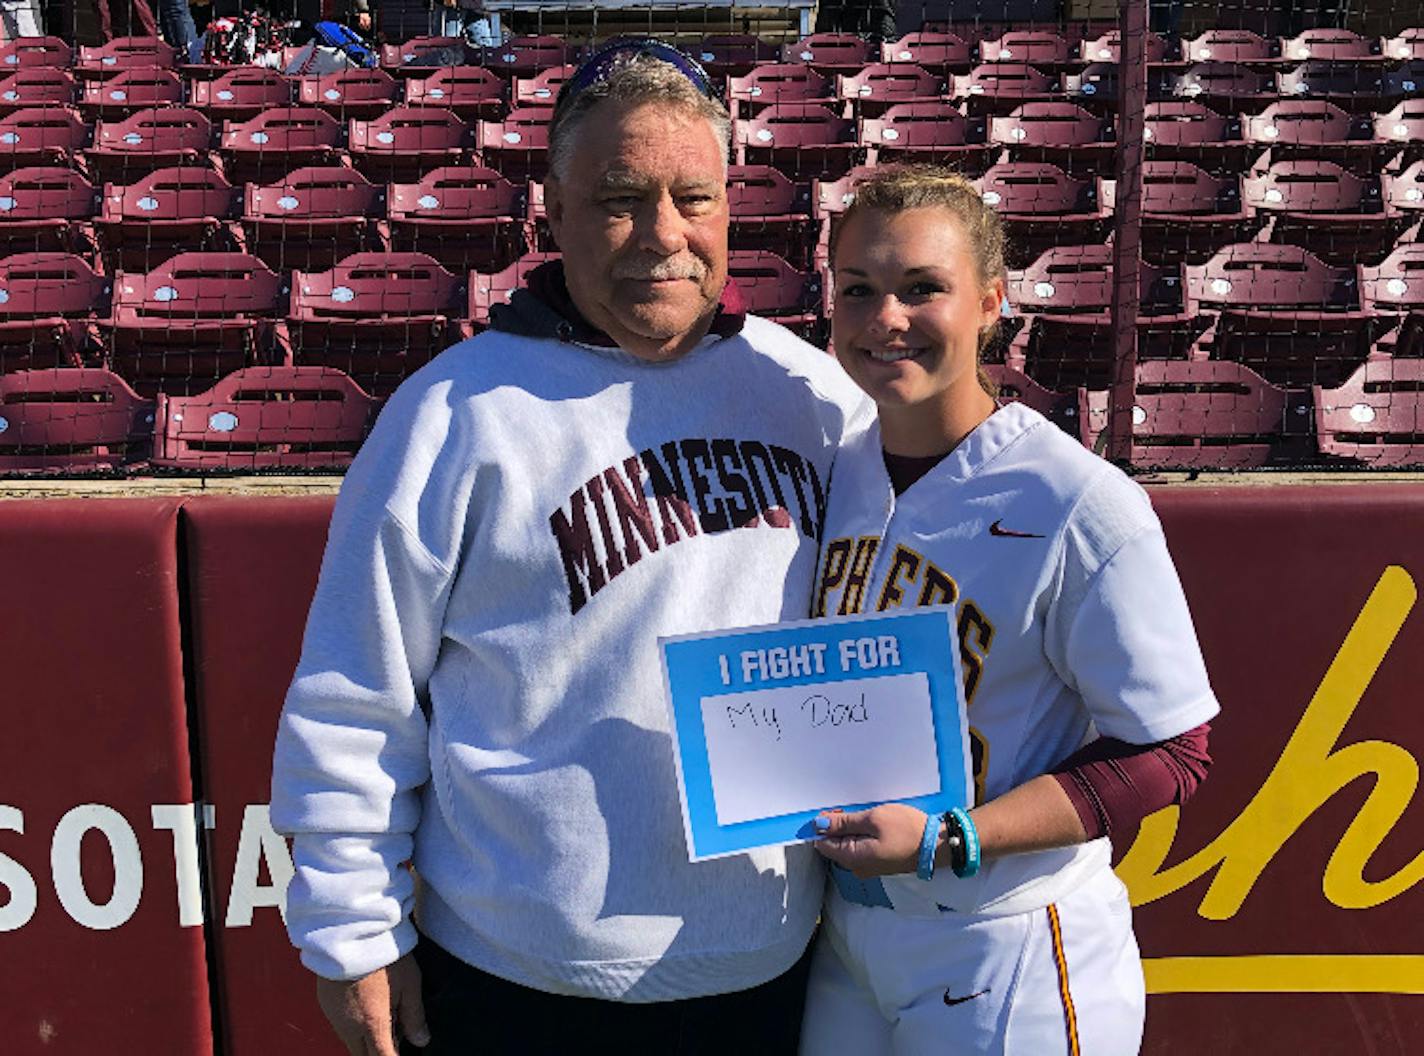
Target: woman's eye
<point x="925" y="289"/>
<point x="855" y="289"/>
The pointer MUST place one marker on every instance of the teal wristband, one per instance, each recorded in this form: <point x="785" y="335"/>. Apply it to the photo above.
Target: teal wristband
<point x="966" y="863"/>
<point x="929" y="843"/>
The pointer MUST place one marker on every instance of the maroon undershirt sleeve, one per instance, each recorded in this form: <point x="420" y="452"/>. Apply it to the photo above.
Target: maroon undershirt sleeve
<point x="1113" y="785"/>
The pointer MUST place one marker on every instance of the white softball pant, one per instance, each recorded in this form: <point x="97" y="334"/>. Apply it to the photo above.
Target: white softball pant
<point x="1066" y="979"/>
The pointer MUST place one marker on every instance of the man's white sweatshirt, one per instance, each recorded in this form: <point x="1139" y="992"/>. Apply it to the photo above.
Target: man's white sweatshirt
<point x="480" y="693"/>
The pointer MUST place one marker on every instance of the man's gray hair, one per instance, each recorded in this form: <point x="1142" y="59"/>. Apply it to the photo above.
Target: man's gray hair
<point x="637" y="79"/>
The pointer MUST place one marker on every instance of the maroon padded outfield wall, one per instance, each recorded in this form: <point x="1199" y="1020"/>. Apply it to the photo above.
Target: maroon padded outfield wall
<point x="1278" y="915"/>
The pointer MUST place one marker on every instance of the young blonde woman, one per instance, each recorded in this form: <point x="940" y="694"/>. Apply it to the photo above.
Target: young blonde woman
<point x="1000" y="929"/>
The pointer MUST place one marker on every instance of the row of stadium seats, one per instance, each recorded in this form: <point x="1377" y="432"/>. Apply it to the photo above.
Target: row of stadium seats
<point x="725" y="55"/>
<point x="865" y="91"/>
<point x="1185" y="415"/>
<point x="1278" y="309"/>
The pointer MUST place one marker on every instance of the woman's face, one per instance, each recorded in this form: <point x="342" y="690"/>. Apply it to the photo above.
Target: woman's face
<point x="909" y="308"/>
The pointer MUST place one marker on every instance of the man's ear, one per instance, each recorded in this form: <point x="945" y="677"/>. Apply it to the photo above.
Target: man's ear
<point x="554" y="207"/>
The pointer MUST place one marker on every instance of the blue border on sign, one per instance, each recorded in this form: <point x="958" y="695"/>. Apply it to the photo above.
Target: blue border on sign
<point x="692" y="671"/>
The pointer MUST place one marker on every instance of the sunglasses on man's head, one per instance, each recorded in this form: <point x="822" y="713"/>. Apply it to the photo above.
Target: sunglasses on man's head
<point x="601" y="63"/>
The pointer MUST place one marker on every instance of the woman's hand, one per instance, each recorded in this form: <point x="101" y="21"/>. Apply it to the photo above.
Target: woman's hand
<point x="877" y="842"/>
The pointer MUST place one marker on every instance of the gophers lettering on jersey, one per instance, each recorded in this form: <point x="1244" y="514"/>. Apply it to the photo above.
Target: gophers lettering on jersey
<point x="682" y="489"/>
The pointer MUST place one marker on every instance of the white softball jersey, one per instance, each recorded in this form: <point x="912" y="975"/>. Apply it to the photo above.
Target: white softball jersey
<point x="480" y="692"/>
<point x="1072" y="622"/>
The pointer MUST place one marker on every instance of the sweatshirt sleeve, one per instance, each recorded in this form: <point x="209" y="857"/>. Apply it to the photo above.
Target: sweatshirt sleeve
<point x="352" y="748"/>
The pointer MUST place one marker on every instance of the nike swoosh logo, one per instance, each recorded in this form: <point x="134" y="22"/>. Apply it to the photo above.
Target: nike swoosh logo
<point x="1008" y="533"/>
<point x="952" y="1001"/>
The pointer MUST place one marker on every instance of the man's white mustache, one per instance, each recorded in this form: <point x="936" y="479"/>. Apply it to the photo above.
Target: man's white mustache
<point x="668" y="269"/>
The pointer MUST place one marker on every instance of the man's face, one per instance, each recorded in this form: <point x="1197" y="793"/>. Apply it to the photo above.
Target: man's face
<point x="641" y="219"/>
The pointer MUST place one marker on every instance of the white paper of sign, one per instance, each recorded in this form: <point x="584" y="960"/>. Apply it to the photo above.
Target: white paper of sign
<point x="794" y="748"/>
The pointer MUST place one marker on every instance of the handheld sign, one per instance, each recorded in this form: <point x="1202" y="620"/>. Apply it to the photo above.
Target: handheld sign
<point x="773" y="724"/>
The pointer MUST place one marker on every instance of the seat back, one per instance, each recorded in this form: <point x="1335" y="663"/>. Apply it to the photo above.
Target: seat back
<point x="732" y="54"/>
<point x="1343" y="80"/>
<point x="374" y="287"/>
<point x="1227" y="45"/>
<point x="198" y="286"/>
<point x="1035" y="47"/>
<point x="42" y="128"/>
<point x="760" y="190"/>
<point x="409" y="130"/>
<point x="266" y="416"/>
<point x="156" y="130"/>
<point x="426" y="53"/>
<point x="781" y="82"/>
<point x="126" y="53"/>
<point x="45" y="193"/>
<point x="1297" y="121"/>
<point x="542" y="89"/>
<point x="456" y="192"/>
<point x="1036" y="189"/>
<point x="1376" y="414"/>
<point x="1049" y="124"/>
<point x="525" y="56"/>
<point x="37" y="86"/>
<point x="1408" y="44"/>
<point x="930" y="50"/>
<point x="1108" y="48"/>
<point x="49" y="285"/>
<point x="889" y="82"/>
<point x="25" y="53"/>
<point x="770" y="286"/>
<point x="912" y="126"/>
<point x="829" y="52"/>
<point x="1310" y="187"/>
<point x="795" y="126"/>
<point x="184" y="192"/>
<point x="1403" y="124"/>
<point x="1222" y="80"/>
<point x="1179" y="188"/>
<point x="1262" y="276"/>
<point x="486" y="290"/>
<point x="461" y="88"/>
<point x="313" y="193"/>
<point x="1003" y="80"/>
<point x="1176" y="124"/>
<point x="71" y="417"/>
<point x="1405" y="192"/>
<point x="283" y="129"/>
<point x="246" y="88"/>
<point x="1204" y="413"/>
<point x="1396" y="284"/>
<point x="1327" y="43"/>
<point x="344" y="89"/>
<point x="133" y="89"/>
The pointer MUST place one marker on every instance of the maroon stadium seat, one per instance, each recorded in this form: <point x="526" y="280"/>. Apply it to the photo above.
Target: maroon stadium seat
<point x="192" y="319"/>
<point x="1045" y="50"/>
<point x="1042" y="206"/>
<point x="1108" y="48"/>
<point x="421" y="56"/>
<point x="939" y="52"/>
<point x="1077" y="141"/>
<point x="45" y="209"/>
<point x="164" y="213"/>
<point x="525" y="56"/>
<point x="1376" y="415"/>
<point x="778" y="82"/>
<point x="517" y="146"/>
<point x="875" y="88"/>
<point x="470" y="91"/>
<point x="1186" y="131"/>
<point x="48" y="135"/>
<point x="311" y="218"/>
<point x="829" y="199"/>
<point x="1203" y="415"/>
<point x="157" y="138"/>
<point x="998" y="87"/>
<point x="1015" y="386"/>
<point x="240" y="94"/>
<point x="406" y="142"/>
<point x="48" y="303"/>
<point x="468" y="217"/>
<point x="487" y="289"/>
<point x="1281" y="311"/>
<point x="933" y="133"/>
<point x="800" y="139"/>
<point x="1224" y="85"/>
<point x="358" y="93"/>
<point x="1188" y="214"/>
<point x="1403" y="80"/>
<point x="376" y="316"/>
<point x="725" y="55"/>
<point x="829" y="53"/>
<point x="71" y="419"/>
<point x="129" y="91"/>
<point x="1231" y="45"/>
<point x="542" y="89"/>
<point x="31" y="53"/>
<point x="277" y="141"/>
<point x="1294" y="129"/>
<point x="1318" y="205"/>
<point x="769" y="212"/>
<point x="1407" y="44"/>
<point x="1403" y="128"/>
<point x="102" y="61"/>
<point x="773" y="289"/>
<point x="1395" y="287"/>
<point x="1338" y="45"/>
<point x="36" y="86"/>
<point x="1360" y="88"/>
<point x="265" y="417"/>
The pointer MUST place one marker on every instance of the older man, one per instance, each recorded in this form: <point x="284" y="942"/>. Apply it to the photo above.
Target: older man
<point x="623" y="455"/>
